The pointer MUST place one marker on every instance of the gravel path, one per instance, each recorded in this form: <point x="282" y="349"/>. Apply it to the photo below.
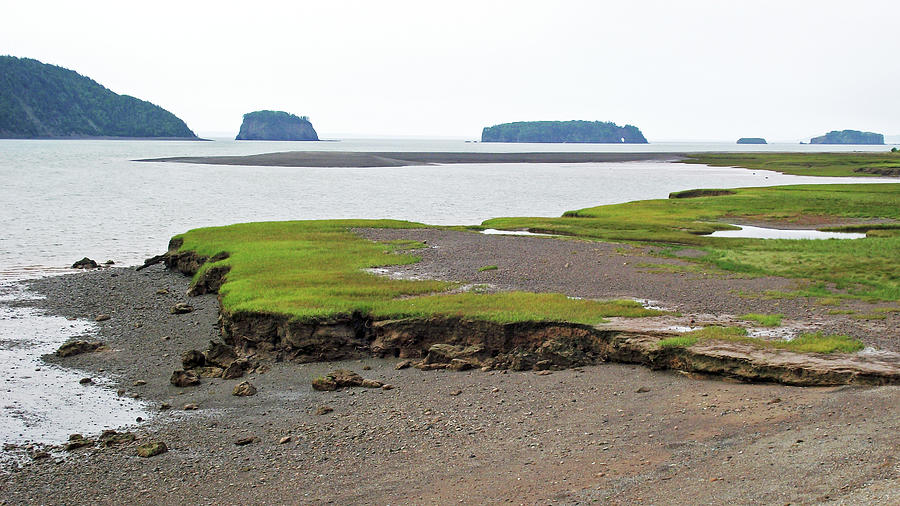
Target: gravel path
<point x="610" y="433"/>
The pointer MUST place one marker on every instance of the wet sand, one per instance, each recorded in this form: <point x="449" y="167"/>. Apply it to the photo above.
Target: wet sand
<point x="400" y="159"/>
<point x="611" y="433"/>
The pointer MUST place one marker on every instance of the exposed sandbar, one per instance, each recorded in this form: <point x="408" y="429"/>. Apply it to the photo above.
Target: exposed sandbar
<point x="400" y="159"/>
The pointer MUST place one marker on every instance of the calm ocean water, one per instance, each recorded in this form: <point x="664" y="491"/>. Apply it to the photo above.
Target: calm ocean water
<point x="63" y="200"/>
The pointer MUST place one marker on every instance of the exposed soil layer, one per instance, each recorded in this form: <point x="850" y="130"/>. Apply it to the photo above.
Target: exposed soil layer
<point x="611" y="433"/>
<point x="399" y="159"/>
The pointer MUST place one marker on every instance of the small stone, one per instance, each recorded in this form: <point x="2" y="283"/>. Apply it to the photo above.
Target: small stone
<point x="109" y="262"/>
<point x="165" y="406"/>
<point x="85" y="263"/>
<point x="642" y="390"/>
<point x="85" y="381"/>
<point x="181" y="308"/>
<point x="324" y="410"/>
<point x="101" y="318"/>
<point x="775" y="400"/>
<point x="235" y="370"/>
<point x="139" y="383"/>
<point x="458" y="364"/>
<point x="78" y="347"/>
<point x="120" y="392"/>
<point x="77" y="441"/>
<point x="285" y="439"/>
<point x="544" y="372"/>
<point x="245" y="441"/>
<point x="387" y="386"/>
<point x="191" y="407"/>
<point x="403" y="364"/>
<point x="366" y="368"/>
<point x="151" y="449"/>
<point x="370" y="383"/>
<point x="162" y="291"/>
<point x="184" y="378"/>
<point x="113" y="438"/>
<point x="455" y="392"/>
<point x="192" y="358"/>
<point x="495" y="390"/>
<point x="40" y="455"/>
<point x="244" y="389"/>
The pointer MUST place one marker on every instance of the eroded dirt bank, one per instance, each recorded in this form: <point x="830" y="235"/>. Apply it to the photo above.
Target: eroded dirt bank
<point x="612" y="433"/>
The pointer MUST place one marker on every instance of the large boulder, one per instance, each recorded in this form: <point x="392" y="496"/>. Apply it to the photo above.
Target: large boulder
<point x="276" y="126"/>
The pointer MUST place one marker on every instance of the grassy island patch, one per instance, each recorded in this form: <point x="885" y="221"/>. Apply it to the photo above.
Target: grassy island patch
<point x="314" y="270"/>
<point x="808" y="164"/>
<point x="815" y="342"/>
<point x="866" y="268"/>
<point x="766" y="320"/>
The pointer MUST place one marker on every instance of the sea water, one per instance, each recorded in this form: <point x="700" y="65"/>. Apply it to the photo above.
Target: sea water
<point x="63" y="200"/>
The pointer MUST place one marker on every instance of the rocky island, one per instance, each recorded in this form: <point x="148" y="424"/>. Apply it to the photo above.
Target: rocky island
<point x="276" y="126"/>
<point x="751" y="140"/>
<point x="563" y="131"/>
<point x="38" y="100"/>
<point x="848" y="137"/>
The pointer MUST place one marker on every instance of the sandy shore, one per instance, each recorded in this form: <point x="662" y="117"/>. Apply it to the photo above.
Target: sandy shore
<point x="399" y="159"/>
<point x="610" y="433"/>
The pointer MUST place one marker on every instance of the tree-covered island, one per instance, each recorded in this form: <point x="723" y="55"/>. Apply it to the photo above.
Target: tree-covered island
<point x="276" y="126"/>
<point x="563" y="131"/>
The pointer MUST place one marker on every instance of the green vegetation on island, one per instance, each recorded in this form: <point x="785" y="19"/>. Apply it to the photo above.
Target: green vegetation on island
<point x="38" y="100"/>
<point x="848" y="137"/>
<point x="751" y="140"/>
<point x="276" y="126"/>
<point x="315" y="271"/>
<point x="563" y="131"/>
<point x="807" y="164"/>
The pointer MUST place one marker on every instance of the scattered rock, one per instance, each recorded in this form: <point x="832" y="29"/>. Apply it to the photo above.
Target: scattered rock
<point x="112" y="438"/>
<point x="244" y="389"/>
<point x="366" y="368"/>
<point x="165" y="406"/>
<point x="192" y="358"/>
<point x="245" y="441"/>
<point x="458" y="364"/>
<point x="191" y="407"/>
<point x="403" y="364"/>
<point x="40" y="455"/>
<point x="85" y="381"/>
<point x="235" y="370"/>
<point x="78" y="347"/>
<point x="101" y="318"/>
<point x="324" y="384"/>
<point x="775" y="400"/>
<point x="139" y="383"/>
<point x="151" y="449"/>
<point x="285" y="439"/>
<point x="85" y="263"/>
<point x="544" y="372"/>
<point x="455" y="392"/>
<point x="642" y="390"/>
<point x="77" y="441"/>
<point x="324" y="410"/>
<point x="181" y="308"/>
<point x="109" y="262"/>
<point x="184" y="378"/>
<point x="370" y="383"/>
<point x="162" y="291"/>
<point x="209" y="372"/>
<point x="387" y="386"/>
<point x="220" y="355"/>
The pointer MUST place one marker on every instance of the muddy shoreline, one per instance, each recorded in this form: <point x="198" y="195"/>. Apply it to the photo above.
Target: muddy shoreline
<point x="400" y="159"/>
<point x="609" y="432"/>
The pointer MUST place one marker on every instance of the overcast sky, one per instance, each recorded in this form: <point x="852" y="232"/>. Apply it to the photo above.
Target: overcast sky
<point x="679" y="70"/>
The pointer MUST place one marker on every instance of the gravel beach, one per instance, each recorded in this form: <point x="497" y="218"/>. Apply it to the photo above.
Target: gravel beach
<point x="610" y="433"/>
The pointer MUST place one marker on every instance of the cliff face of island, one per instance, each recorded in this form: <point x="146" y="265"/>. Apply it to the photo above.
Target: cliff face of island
<point x="751" y="140"/>
<point x="38" y="100"/>
<point x="276" y="126"/>
<point x="848" y="137"/>
<point x="563" y="131"/>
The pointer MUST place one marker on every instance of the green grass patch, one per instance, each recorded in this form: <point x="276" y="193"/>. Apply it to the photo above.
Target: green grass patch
<point x="806" y="164"/>
<point x="804" y="343"/>
<point x="314" y="270"/>
<point x="487" y="268"/>
<point x="766" y="320"/>
<point x="862" y="268"/>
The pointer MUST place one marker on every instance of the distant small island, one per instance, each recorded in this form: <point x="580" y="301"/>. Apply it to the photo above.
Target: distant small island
<point x="276" y="126"/>
<point x="848" y="137"/>
<point x="40" y="101"/>
<point x="563" y="131"/>
<point x="751" y="140"/>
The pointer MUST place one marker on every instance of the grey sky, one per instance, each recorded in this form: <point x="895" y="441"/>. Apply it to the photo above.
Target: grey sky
<point x="685" y="70"/>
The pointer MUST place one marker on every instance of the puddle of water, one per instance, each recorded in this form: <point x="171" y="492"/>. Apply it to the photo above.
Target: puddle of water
<point x="44" y="403"/>
<point x="493" y="231"/>
<point x="777" y="233"/>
